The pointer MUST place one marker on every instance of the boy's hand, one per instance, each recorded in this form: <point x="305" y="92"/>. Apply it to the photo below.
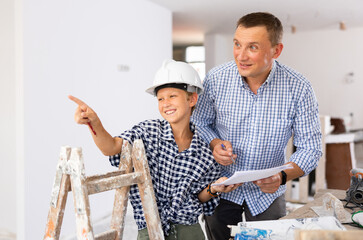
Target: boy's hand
<point x="84" y="114"/>
<point x="105" y="142"/>
<point x="224" y="188"/>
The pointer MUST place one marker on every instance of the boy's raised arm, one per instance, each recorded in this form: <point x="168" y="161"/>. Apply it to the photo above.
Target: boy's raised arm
<point x="104" y="141"/>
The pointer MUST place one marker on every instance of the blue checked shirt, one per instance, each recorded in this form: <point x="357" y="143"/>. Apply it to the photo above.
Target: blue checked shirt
<point x="260" y="125"/>
<point x="177" y="177"/>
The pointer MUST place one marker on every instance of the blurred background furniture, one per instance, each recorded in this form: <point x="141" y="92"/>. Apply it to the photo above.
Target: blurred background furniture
<point x="302" y="191"/>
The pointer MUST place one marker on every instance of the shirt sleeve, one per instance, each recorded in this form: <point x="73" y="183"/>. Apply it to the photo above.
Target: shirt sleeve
<point x="137" y="132"/>
<point x="212" y="175"/>
<point x="307" y="133"/>
<point x="205" y="113"/>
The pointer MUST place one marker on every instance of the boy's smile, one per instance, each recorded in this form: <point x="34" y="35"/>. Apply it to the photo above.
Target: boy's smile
<point x="175" y="105"/>
<point x="168" y="112"/>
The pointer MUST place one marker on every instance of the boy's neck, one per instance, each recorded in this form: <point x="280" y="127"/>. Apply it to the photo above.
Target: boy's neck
<point x="181" y="131"/>
<point x="183" y="135"/>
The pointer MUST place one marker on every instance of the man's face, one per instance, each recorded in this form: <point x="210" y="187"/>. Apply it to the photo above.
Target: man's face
<point x="253" y="52"/>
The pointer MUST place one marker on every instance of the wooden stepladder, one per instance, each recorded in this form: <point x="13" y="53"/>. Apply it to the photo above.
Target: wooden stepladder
<point x="70" y="176"/>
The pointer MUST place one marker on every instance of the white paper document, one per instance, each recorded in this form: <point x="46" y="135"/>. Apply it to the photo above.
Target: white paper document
<point x="252" y="175"/>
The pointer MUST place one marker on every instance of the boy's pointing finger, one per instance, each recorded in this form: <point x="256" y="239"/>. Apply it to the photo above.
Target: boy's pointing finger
<point x="77" y="101"/>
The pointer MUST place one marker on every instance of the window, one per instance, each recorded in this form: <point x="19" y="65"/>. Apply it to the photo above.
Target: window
<point x="195" y="56"/>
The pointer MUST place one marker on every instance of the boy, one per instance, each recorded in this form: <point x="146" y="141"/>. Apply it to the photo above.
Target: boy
<point x="181" y="163"/>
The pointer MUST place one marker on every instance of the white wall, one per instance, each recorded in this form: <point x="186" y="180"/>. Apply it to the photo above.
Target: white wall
<point x="70" y="47"/>
<point x="7" y="120"/>
<point x="218" y="49"/>
<point x="325" y="57"/>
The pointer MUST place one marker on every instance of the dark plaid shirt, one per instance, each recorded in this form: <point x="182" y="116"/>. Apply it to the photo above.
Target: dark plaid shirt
<point x="177" y="177"/>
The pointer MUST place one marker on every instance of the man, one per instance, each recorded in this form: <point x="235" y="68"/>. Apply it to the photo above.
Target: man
<point x="249" y="110"/>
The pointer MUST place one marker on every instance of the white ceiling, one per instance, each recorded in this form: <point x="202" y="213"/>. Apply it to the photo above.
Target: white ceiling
<point x="192" y="19"/>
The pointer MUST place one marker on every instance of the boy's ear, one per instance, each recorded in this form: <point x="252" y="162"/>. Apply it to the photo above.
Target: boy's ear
<point x="193" y="99"/>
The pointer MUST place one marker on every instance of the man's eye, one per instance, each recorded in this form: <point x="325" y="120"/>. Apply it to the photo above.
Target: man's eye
<point x="237" y="44"/>
<point x="253" y="47"/>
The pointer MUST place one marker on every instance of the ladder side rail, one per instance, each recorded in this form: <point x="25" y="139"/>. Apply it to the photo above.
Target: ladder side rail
<point x="80" y="196"/>
<point x="122" y="194"/>
<point x="147" y="192"/>
<point x="58" y="197"/>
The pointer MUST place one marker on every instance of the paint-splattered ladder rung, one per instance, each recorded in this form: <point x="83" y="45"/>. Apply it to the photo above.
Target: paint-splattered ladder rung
<point x="108" y="235"/>
<point x="96" y="184"/>
<point x="115" y="182"/>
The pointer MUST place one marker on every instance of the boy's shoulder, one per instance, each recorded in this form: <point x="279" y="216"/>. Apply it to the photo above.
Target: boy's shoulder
<point x="155" y="128"/>
<point x="152" y="123"/>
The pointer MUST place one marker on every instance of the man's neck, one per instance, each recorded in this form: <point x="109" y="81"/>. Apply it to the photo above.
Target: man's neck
<point x="254" y="84"/>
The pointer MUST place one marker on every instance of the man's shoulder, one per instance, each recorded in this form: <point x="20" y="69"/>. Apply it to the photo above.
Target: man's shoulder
<point x="291" y="74"/>
<point x="225" y="67"/>
<point x="221" y="73"/>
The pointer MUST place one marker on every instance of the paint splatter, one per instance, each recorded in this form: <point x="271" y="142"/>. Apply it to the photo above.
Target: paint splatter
<point x="50" y="231"/>
<point x="84" y="234"/>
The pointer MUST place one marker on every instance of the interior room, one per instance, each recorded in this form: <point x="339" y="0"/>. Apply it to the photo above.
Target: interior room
<point x="107" y="52"/>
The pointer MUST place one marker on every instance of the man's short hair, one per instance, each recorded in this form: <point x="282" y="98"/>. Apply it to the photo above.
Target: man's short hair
<point x="272" y="24"/>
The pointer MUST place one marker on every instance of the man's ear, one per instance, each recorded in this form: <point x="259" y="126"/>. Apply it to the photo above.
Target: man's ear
<point x="277" y="50"/>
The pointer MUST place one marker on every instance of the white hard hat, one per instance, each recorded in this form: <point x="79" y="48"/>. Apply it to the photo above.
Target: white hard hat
<point x="176" y="74"/>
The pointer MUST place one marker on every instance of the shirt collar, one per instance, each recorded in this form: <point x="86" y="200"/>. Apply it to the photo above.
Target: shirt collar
<point x="167" y="135"/>
<point x="195" y="140"/>
<point x="166" y="131"/>
<point x="268" y="79"/>
<point x="271" y="74"/>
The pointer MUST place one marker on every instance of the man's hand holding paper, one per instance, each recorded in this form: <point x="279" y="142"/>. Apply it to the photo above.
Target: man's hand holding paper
<point x="262" y="178"/>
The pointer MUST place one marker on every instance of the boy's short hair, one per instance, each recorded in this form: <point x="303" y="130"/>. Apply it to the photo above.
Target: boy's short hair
<point x="272" y="24"/>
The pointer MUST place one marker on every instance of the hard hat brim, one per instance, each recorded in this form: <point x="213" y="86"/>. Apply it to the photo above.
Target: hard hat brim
<point x="151" y="90"/>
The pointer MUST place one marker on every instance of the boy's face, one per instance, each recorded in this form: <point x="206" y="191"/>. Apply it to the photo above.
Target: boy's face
<point x="175" y="105"/>
<point x="253" y="52"/>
